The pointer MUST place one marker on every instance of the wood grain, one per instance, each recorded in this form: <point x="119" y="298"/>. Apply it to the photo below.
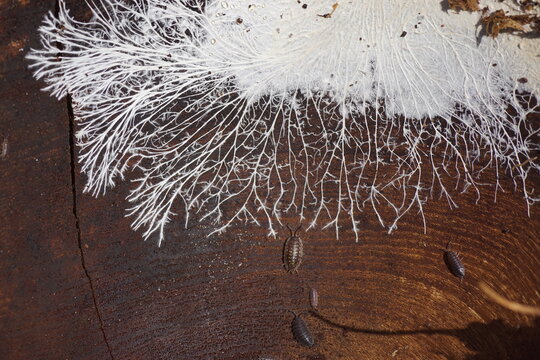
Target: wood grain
<point x="228" y="296"/>
<point x="46" y="309"/>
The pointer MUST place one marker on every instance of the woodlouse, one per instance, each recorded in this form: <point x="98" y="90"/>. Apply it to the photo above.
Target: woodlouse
<point x="293" y="250"/>
<point x="4" y="150"/>
<point x="453" y="262"/>
<point x="313" y="298"/>
<point x="301" y="332"/>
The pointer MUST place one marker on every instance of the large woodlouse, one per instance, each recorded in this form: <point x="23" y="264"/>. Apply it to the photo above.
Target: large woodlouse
<point x="301" y="332"/>
<point x="453" y="262"/>
<point x="293" y="250"/>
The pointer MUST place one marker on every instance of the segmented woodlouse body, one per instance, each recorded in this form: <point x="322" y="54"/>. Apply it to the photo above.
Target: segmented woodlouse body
<point x="293" y="250"/>
<point x="453" y="262"/>
<point x="301" y="332"/>
<point x="313" y="298"/>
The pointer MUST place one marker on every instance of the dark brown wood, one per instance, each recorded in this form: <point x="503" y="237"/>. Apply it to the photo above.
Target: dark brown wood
<point x="228" y="296"/>
<point x="46" y="307"/>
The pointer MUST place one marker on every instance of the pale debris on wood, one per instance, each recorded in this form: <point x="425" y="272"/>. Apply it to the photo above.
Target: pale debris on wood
<point x="466" y="5"/>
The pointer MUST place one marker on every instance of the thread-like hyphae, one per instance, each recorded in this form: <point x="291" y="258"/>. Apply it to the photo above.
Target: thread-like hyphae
<point x="246" y="110"/>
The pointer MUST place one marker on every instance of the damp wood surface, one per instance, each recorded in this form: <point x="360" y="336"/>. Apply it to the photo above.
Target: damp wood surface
<point x="77" y="283"/>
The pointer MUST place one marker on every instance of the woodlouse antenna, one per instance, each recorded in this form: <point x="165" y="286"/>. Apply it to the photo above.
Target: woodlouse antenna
<point x="297" y="314"/>
<point x="446" y="249"/>
<point x="293" y="312"/>
<point x="293" y="233"/>
<point x="288" y="227"/>
<point x="298" y="228"/>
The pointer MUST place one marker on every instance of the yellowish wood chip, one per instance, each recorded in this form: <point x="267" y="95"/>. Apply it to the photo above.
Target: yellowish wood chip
<point x="466" y="5"/>
<point x="498" y="21"/>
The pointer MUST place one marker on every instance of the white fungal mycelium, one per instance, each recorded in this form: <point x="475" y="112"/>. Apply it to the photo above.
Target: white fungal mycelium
<point x="242" y="110"/>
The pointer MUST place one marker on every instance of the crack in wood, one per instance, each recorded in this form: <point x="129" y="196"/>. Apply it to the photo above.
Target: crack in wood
<point x="77" y="223"/>
<point x="71" y="120"/>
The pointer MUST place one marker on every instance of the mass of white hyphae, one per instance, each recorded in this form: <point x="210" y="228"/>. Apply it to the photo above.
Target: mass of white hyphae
<point x="245" y="110"/>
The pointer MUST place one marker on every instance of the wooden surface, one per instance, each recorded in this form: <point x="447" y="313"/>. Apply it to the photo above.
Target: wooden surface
<point x="77" y="283"/>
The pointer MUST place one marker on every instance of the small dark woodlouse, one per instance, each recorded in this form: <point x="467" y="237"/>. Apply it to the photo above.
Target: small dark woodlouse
<point x="314" y="298"/>
<point x="293" y="250"/>
<point x="453" y="262"/>
<point x="301" y="332"/>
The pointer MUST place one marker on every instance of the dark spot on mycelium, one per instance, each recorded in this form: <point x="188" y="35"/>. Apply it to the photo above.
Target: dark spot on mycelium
<point x="403" y="34"/>
<point x="523" y="80"/>
<point x="239" y="21"/>
<point x="304" y="6"/>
